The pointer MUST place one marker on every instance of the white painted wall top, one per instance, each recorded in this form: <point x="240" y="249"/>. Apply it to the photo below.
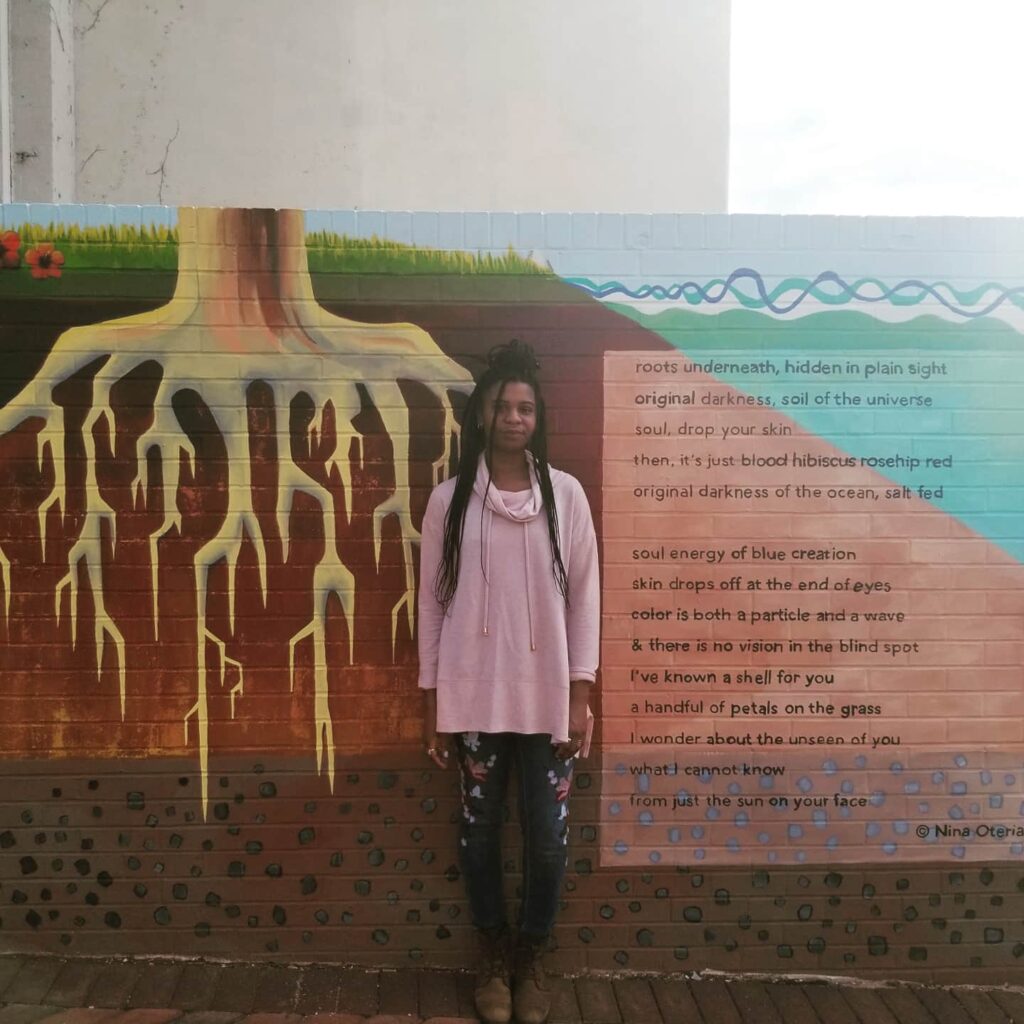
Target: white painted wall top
<point x="404" y="104"/>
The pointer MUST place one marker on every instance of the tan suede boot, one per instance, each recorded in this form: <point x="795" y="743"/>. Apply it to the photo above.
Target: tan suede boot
<point x="492" y="996"/>
<point x="531" y="989"/>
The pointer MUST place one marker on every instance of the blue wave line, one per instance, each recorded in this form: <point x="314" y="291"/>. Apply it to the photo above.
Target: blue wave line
<point x="715" y="291"/>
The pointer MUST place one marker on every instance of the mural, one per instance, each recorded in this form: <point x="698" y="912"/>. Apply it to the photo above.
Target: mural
<point x="849" y="618"/>
<point x="242" y="315"/>
<point x="217" y="434"/>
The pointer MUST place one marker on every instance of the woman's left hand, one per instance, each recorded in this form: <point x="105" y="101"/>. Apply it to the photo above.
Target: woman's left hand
<point x="578" y="695"/>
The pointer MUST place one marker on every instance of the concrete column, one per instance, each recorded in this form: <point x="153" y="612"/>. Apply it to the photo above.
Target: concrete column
<point x="41" y="77"/>
<point x="5" y="104"/>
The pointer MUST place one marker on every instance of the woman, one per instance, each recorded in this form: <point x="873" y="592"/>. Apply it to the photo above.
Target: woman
<point x="508" y="640"/>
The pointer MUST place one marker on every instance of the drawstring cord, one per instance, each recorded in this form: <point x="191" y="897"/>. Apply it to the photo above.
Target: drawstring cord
<point x="529" y="583"/>
<point x="488" y="527"/>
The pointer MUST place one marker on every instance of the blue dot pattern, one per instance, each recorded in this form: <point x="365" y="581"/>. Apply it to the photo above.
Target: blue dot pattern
<point x="798" y="819"/>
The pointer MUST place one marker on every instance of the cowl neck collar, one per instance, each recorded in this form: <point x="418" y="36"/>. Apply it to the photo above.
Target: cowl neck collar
<point x="483" y="487"/>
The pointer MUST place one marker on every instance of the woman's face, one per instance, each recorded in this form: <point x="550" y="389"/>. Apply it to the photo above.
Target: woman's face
<point x="513" y="416"/>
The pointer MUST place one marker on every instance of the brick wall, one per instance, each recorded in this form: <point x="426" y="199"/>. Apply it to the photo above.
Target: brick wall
<point x="218" y="432"/>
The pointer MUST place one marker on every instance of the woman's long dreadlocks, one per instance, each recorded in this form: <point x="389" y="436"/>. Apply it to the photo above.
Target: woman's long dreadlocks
<point x="512" y="363"/>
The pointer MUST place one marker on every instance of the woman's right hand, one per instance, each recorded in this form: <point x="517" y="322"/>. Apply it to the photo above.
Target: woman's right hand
<point x="439" y="746"/>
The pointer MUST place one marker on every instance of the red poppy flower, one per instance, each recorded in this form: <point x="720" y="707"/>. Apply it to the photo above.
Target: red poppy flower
<point x="10" y="243"/>
<point x="45" y="260"/>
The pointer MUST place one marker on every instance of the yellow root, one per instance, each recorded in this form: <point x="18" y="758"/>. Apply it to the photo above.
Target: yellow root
<point x="209" y="338"/>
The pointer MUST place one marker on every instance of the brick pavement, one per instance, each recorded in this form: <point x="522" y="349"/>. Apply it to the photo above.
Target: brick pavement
<point x="115" y="991"/>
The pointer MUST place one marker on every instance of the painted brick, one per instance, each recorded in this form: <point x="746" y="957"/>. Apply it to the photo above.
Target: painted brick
<point x="584" y="231"/>
<point x="46" y="213"/>
<point x="14" y="214"/>
<point x="717" y="232"/>
<point x="691" y="228"/>
<point x="638" y="230"/>
<point x="558" y="232"/>
<point x="530" y="231"/>
<point x="664" y="231"/>
<point x="504" y="231"/>
<point x="477" y="228"/>
<point x="610" y="231"/>
<point x="398" y="227"/>
<point x="450" y="230"/>
<point x="370" y="223"/>
<point x="316" y="220"/>
<point x="343" y="222"/>
<point x="754" y="232"/>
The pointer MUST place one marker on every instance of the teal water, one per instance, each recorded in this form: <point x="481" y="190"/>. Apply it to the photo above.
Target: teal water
<point x="837" y="364"/>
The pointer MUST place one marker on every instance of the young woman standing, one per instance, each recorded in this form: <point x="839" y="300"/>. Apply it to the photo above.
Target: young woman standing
<point x="509" y="615"/>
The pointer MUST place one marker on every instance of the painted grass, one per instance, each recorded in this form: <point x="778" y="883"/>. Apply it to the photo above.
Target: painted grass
<point x="329" y="253"/>
<point x="129" y="247"/>
<point x="106" y="248"/>
<point x="107" y="234"/>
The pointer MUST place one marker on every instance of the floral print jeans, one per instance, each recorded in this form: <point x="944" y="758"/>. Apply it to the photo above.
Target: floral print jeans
<point x="543" y="781"/>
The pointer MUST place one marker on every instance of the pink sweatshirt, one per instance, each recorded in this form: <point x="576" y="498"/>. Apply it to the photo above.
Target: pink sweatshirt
<point x="502" y="658"/>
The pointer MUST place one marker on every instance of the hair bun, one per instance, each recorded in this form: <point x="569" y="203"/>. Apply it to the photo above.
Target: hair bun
<point x="514" y="356"/>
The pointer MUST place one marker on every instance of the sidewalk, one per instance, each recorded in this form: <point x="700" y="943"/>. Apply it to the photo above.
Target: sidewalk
<point x="88" y="991"/>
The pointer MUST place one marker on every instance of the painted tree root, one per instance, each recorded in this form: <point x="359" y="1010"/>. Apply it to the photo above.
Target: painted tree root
<point x="243" y="311"/>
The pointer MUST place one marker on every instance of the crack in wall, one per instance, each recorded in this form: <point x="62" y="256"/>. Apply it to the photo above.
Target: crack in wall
<point x="56" y="25"/>
<point x="96" y="17"/>
<point x="82" y="165"/>
<point x="162" y="169"/>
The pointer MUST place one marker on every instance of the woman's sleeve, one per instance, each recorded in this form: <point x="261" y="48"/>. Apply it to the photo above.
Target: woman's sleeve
<point x="431" y="613"/>
<point x="584" y="613"/>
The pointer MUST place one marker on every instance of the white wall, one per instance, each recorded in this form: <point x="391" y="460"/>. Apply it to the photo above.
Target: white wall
<point x="404" y="104"/>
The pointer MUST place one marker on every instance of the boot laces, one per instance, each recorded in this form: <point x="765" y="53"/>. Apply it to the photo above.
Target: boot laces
<point x="492" y="956"/>
<point x="528" y="964"/>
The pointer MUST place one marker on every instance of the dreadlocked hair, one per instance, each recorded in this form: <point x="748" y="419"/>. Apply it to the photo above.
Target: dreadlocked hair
<point x="511" y="363"/>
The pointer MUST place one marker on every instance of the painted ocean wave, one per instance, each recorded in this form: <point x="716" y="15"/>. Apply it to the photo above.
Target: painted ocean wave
<point x="827" y="288"/>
